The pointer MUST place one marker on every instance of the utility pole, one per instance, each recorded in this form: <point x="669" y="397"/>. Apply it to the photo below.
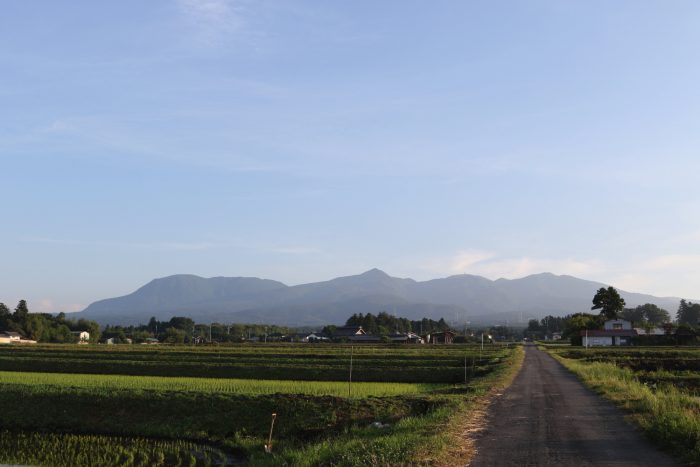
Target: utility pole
<point x="465" y="368"/>
<point x="210" y="333"/>
<point x="350" y="376"/>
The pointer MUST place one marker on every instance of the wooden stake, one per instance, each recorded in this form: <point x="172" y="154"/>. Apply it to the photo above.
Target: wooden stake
<point x="268" y="446"/>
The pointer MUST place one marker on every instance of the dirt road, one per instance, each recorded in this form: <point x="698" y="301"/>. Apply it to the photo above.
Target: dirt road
<point x="548" y="418"/>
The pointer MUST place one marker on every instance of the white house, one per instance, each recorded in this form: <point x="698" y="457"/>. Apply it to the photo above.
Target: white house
<point x="9" y="337"/>
<point x="315" y="337"/>
<point x="83" y="336"/>
<point x="614" y="332"/>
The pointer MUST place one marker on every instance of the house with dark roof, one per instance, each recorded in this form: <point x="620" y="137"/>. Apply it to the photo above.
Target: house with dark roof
<point x="347" y="331"/>
<point x="406" y="338"/>
<point x="614" y="332"/>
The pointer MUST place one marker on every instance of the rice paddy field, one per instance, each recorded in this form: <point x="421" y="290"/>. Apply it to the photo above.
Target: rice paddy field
<point x="162" y="405"/>
<point x="658" y="386"/>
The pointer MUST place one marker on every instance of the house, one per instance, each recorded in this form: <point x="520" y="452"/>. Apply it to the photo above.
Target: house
<point x="556" y="336"/>
<point x="9" y="337"/>
<point x="406" y="338"/>
<point x="347" y="331"/>
<point x="442" y="337"/>
<point x="314" y="337"/>
<point x="150" y="340"/>
<point x="83" y="336"/>
<point x="614" y="332"/>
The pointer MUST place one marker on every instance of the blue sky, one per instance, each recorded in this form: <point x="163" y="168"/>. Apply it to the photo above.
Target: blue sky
<point x="300" y="141"/>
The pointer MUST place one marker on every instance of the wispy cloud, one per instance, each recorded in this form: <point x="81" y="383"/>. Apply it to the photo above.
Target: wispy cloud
<point x="672" y="274"/>
<point x="213" y="21"/>
<point x="493" y="265"/>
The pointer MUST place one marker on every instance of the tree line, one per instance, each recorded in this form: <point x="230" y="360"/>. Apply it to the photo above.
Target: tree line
<point x="384" y="324"/>
<point x="182" y="329"/>
<point x="45" y="327"/>
<point x="612" y="306"/>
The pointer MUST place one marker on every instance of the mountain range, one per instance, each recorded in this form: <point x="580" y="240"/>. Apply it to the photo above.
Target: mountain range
<point x="458" y="299"/>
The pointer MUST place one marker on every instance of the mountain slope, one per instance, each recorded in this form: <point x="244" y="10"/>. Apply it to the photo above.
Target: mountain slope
<point x="456" y="298"/>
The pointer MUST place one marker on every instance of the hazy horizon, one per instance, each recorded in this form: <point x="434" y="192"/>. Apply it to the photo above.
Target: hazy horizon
<point x="301" y="141"/>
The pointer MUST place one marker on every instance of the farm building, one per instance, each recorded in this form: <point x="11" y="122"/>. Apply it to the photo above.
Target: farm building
<point x="443" y="337"/>
<point x="406" y="338"/>
<point x="83" y="336"/>
<point x="314" y="337"/>
<point x="347" y="331"/>
<point x="614" y="332"/>
<point x="7" y="337"/>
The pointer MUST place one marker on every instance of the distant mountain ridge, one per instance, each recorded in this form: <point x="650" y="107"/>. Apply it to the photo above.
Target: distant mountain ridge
<point x="457" y="298"/>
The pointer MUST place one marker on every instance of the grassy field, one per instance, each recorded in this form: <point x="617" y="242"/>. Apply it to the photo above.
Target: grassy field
<point x="658" y="387"/>
<point x="79" y="450"/>
<point x="411" y="364"/>
<point x="216" y="385"/>
<point x="317" y="423"/>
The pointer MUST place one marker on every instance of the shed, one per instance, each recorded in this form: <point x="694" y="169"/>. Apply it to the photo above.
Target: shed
<point x="442" y="337"/>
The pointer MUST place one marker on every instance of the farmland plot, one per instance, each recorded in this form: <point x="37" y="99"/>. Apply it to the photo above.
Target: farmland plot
<point x="121" y="399"/>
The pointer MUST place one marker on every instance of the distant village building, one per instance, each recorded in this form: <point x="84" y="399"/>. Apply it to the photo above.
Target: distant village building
<point x="83" y="336"/>
<point x="313" y="337"/>
<point x="406" y="338"/>
<point x="9" y="337"/>
<point x="348" y="331"/>
<point x="442" y="337"/>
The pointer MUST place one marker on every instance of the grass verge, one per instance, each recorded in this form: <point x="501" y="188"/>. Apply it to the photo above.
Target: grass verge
<point x="670" y="418"/>
<point x="460" y="437"/>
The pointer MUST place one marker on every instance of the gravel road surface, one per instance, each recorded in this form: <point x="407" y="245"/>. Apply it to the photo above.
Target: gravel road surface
<point x="548" y="418"/>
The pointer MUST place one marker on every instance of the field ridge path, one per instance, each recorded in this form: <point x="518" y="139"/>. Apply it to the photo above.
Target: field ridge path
<point x="547" y="417"/>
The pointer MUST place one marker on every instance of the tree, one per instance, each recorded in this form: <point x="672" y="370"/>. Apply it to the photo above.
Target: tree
<point x="175" y="336"/>
<point x="609" y="302"/>
<point x="181" y="322"/>
<point x="21" y="313"/>
<point x="91" y="327"/>
<point x="654" y="314"/>
<point x="688" y="313"/>
<point x="5" y="317"/>
<point x="636" y="315"/>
